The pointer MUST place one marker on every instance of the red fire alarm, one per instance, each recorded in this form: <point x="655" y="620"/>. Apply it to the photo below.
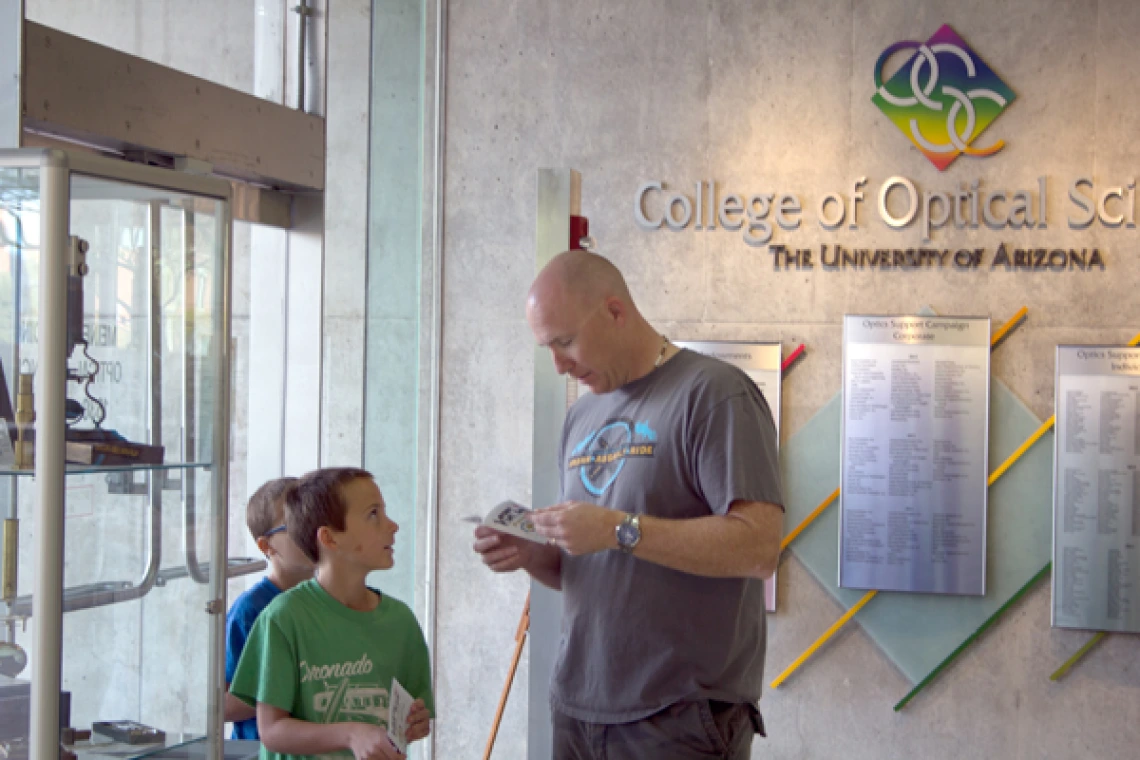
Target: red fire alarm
<point x="579" y="229"/>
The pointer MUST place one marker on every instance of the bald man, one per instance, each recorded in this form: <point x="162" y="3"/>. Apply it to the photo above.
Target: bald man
<point x="671" y="518"/>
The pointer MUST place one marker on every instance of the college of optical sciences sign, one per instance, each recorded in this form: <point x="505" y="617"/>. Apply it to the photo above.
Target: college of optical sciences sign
<point x="942" y="99"/>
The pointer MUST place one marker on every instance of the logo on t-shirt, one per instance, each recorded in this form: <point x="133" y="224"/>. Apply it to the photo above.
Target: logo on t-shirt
<point x="601" y="455"/>
<point x="360" y="667"/>
<point x="345" y="694"/>
<point x="344" y="701"/>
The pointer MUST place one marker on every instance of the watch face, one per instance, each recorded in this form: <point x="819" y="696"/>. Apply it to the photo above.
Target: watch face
<point x="627" y="534"/>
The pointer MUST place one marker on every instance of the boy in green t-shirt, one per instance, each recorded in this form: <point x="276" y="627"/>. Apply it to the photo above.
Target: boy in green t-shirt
<point x="320" y="660"/>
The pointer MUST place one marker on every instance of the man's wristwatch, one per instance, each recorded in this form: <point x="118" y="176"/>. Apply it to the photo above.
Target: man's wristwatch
<point x="628" y="533"/>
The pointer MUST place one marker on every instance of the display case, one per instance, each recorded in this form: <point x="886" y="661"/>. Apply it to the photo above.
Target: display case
<point x="115" y="310"/>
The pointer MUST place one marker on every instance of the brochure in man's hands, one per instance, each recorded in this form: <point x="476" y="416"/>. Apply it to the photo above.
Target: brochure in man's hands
<point x="509" y="517"/>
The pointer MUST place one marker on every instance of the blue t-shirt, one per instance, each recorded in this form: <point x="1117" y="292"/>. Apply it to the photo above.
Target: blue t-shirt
<point x="239" y="622"/>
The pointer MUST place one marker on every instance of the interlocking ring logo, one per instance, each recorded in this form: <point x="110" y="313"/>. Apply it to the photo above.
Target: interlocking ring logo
<point x="943" y="97"/>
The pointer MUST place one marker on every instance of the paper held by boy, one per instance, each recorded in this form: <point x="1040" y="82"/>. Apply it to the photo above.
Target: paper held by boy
<point x="399" y="705"/>
<point x="509" y="517"/>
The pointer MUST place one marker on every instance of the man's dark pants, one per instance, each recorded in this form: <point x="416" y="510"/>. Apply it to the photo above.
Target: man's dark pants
<point x="688" y="730"/>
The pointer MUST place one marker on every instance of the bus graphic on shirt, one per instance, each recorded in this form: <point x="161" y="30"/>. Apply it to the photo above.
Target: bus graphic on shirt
<point x="602" y="454"/>
<point x="360" y="703"/>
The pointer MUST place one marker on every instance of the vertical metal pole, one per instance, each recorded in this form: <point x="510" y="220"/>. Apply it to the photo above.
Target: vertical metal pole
<point x="155" y="478"/>
<point x="431" y="522"/>
<point x="155" y="340"/>
<point x="10" y="496"/>
<point x="559" y="197"/>
<point x="51" y="390"/>
<point x="302" y="26"/>
<point x="192" y="374"/>
<point x="220" y="470"/>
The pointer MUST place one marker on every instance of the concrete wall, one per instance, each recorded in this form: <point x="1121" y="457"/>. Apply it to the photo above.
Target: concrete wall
<point x="770" y="97"/>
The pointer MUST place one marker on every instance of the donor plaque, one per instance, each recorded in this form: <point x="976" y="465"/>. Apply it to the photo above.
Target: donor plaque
<point x="1096" y="489"/>
<point x="916" y="399"/>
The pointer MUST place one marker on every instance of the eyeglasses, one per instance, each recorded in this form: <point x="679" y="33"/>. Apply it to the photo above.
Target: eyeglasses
<point x="278" y="529"/>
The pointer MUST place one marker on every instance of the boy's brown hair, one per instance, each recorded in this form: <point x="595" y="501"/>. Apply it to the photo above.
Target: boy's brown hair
<point x="317" y="501"/>
<point x="261" y="512"/>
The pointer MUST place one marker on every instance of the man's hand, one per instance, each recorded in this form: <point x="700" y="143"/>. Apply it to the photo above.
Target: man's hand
<point x="369" y="742"/>
<point x="503" y="552"/>
<point x="419" y="722"/>
<point x="579" y="528"/>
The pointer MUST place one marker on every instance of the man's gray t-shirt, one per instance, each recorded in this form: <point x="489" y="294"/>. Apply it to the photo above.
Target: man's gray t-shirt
<point x="685" y="441"/>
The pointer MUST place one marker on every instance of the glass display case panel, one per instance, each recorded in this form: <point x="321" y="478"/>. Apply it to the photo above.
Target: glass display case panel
<point x="145" y="334"/>
<point x="19" y="232"/>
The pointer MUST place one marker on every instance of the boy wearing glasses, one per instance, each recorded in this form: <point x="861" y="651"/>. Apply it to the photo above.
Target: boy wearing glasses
<point x="288" y="566"/>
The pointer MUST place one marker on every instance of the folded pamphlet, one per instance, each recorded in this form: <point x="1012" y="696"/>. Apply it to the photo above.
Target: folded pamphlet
<point x="512" y="518"/>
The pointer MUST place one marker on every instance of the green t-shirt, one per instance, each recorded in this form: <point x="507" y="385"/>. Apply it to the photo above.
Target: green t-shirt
<point x="322" y="662"/>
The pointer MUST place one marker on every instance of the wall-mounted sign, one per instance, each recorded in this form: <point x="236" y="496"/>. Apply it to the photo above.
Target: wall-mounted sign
<point x="899" y="204"/>
<point x="1096" y="489"/>
<point x="761" y="362"/>
<point x="943" y="97"/>
<point x="914" y="454"/>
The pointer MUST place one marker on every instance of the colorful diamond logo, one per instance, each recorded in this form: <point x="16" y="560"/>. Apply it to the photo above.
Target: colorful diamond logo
<point x="943" y="97"/>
